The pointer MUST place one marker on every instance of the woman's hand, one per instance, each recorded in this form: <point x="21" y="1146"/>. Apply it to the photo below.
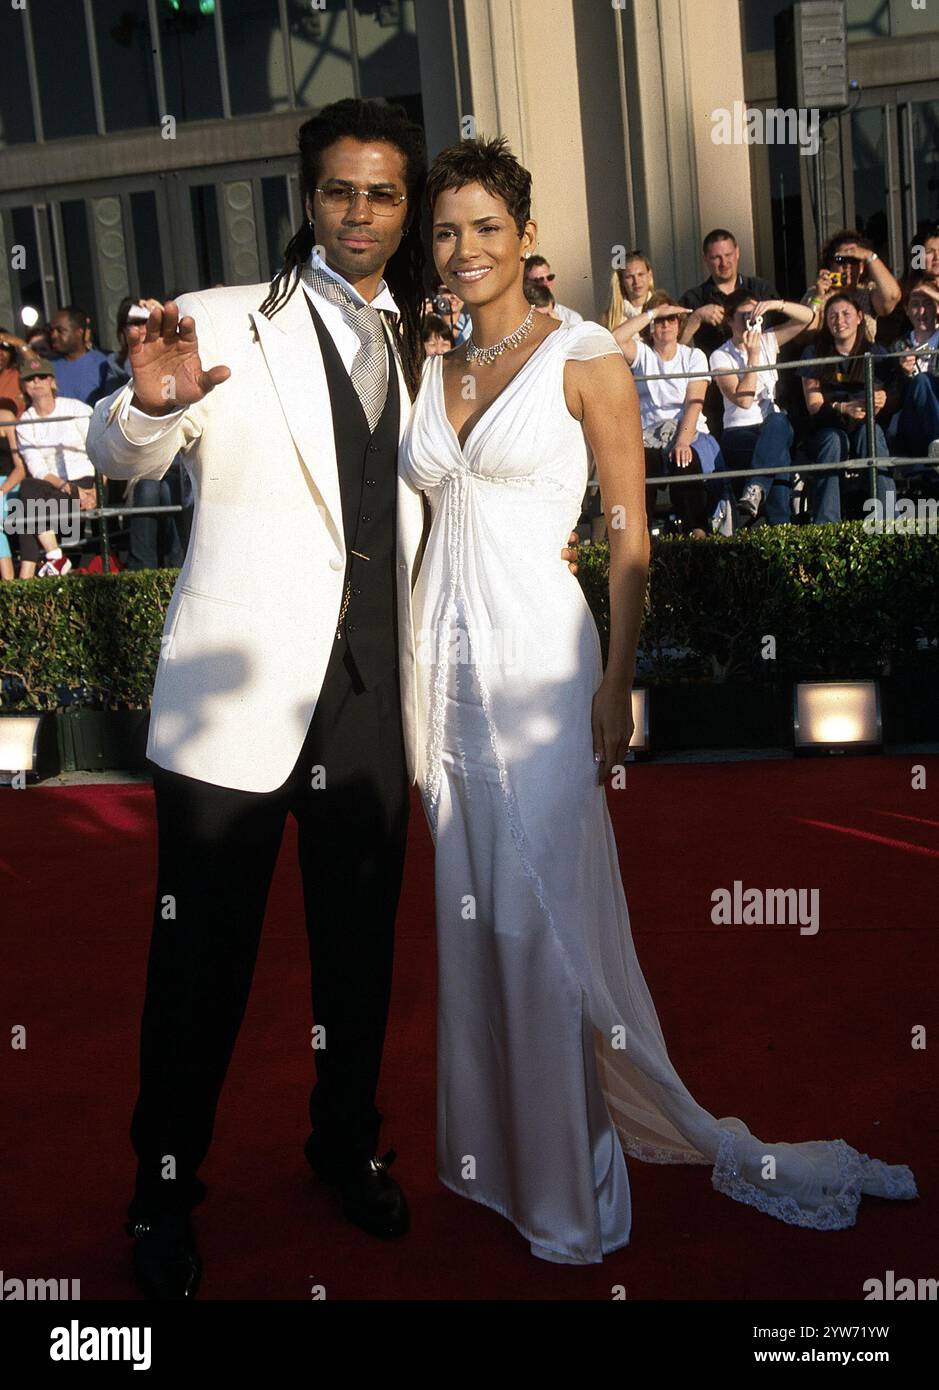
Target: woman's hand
<point x="880" y="400"/>
<point x="612" y="723"/>
<point x="571" y="551"/>
<point x="681" y="455"/>
<point x="854" y="410"/>
<point x="752" y="341"/>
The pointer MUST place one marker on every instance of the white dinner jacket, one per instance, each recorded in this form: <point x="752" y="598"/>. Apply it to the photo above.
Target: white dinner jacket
<point x="252" y="620"/>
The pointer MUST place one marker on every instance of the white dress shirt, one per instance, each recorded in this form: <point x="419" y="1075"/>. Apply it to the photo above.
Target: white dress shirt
<point x="140" y="427"/>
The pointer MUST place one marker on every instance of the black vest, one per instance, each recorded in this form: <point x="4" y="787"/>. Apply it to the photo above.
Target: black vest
<point x="368" y="478"/>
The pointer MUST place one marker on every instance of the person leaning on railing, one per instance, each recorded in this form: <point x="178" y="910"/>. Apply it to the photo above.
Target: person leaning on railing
<point x="914" y="430"/>
<point x="757" y="433"/>
<point x="674" y="431"/>
<point x="835" y="401"/>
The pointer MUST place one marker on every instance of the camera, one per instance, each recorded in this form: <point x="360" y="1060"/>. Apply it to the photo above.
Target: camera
<point x="137" y="314"/>
<point x="836" y="280"/>
<point x="441" y="304"/>
<point x="755" y="325"/>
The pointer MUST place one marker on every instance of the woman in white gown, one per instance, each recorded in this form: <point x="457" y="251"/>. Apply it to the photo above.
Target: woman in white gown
<point x="551" y="1062"/>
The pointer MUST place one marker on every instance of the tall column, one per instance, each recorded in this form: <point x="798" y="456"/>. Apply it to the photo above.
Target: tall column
<point x="684" y="61"/>
<point x="517" y="75"/>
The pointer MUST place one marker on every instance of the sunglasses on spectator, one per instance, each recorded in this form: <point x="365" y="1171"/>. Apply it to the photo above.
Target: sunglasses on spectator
<point x="846" y="260"/>
<point x="548" y="278"/>
<point x="666" y="318"/>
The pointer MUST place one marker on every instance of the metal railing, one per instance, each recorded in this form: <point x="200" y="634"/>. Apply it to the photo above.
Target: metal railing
<point x="102" y="512"/>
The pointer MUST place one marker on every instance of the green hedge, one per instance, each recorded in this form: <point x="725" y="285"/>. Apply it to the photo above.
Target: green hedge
<point x="838" y="602"/>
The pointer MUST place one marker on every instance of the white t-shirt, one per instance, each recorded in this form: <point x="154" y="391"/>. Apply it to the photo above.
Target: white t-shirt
<point x="566" y="315"/>
<point x="54" y="445"/>
<point x="764" y="402"/>
<point x="665" y="400"/>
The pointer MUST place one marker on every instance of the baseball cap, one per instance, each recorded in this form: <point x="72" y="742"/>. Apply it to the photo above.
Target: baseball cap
<point x="35" y="366"/>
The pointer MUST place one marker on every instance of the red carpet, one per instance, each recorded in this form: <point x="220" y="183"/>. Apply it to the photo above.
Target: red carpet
<point x="804" y="1037"/>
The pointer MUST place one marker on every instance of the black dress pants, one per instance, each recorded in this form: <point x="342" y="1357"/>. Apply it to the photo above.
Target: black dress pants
<point x="218" y="847"/>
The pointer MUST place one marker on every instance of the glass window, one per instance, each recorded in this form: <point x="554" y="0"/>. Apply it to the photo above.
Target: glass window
<point x="29" y="279"/>
<point x="925" y="125"/>
<point x="16" y="113"/>
<point x="125" y="61"/>
<point x="208" y="241"/>
<point x="789" y="271"/>
<point x="320" y="53"/>
<point x="190" y="60"/>
<point x="386" y="42"/>
<point x="254" y="53"/>
<point x="143" y="216"/>
<point x="868" y="135"/>
<point x="277" y="223"/>
<point x="866" y="19"/>
<point x="60" y="42"/>
<point x="78" y="262"/>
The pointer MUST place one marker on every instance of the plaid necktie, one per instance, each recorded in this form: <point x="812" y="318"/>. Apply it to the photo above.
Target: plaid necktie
<point x="370" y="364"/>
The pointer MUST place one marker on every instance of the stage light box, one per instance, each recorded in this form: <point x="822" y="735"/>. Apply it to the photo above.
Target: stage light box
<point x="836" y="716"/>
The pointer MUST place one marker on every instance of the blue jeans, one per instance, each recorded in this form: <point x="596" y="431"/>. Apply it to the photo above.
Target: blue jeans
<point x="764" y="446"/>
<point x="145" y="531"/>
<point x="833" y="445"/>
<point x="5" y="551"/>
<point x="916" y="423"/>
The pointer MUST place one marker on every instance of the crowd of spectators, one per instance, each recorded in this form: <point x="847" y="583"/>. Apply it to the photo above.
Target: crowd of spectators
<point x="49" y="383"/>
<point x="713" y="400"/>
<point x="732" y="409"/>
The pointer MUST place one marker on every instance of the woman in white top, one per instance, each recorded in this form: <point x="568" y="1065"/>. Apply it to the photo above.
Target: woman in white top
<point x="674" y="430"/>
<point x="52" y="447"/>
<point x="757" y="434"/>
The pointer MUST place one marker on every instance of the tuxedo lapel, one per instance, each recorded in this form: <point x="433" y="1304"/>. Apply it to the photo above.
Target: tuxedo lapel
<point x="292" y="353"/>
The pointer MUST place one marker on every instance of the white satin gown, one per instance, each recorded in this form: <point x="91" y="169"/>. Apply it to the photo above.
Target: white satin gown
<point x="551" y="1064"/>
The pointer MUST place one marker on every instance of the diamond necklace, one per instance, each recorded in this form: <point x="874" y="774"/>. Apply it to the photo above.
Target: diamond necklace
<point x="489" y="354"/>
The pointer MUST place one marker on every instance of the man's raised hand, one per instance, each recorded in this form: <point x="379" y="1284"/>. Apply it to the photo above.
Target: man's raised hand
<point x="166" y="367"/>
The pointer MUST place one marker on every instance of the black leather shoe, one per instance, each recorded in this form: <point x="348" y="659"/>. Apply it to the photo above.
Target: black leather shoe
<point x="167" y="1264"/>
<point x="371" y="1198"/>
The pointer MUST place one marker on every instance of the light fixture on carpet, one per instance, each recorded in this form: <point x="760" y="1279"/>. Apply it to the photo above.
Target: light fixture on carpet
<point x="836" y="716"/>
<point x="27" y="749"/>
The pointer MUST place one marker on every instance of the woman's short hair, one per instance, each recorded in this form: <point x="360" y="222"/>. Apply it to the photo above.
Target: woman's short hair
<point x="734" y="301"/>
<point x="489" y="163"/>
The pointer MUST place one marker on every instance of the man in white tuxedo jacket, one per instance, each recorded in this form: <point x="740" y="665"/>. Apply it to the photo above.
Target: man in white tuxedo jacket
<point x="286" y="675"/>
